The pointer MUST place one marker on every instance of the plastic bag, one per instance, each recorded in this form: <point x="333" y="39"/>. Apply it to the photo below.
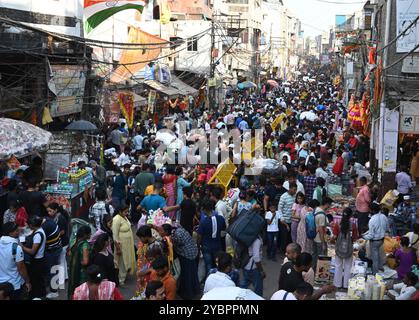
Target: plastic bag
<point x="334" y="190"/>
<point x="390" y="198"/>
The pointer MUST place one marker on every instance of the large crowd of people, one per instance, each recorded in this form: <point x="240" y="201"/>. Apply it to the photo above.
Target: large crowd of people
<point x="313" y="152"/>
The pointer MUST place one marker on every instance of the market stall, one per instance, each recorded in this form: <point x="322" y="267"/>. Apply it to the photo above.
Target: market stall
<point x="19" y="141"/>
<point x="73" y="190"/>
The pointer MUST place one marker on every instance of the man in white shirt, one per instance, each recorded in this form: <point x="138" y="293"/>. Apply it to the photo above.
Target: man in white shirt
<point x="304" y="291"/>
<point x="12" y="265"/>
<point x="138" y="141"/>
<point x="404" y="182"/>
<point x="220" y="278"/>
<point x="253" y="272"/>
<point x="321" y="171"/>
<point x="377" y="229"/>
<point x="221" y="206"/>
<point x="283" y="295"/>
<point x="293" y="178"/>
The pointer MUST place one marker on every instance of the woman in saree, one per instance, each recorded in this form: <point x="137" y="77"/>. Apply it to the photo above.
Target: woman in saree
<point x="148" y="248"/>
<point x="80" y="254"/>
<point x="95" y="288"/>
<point x="124" y="244"/>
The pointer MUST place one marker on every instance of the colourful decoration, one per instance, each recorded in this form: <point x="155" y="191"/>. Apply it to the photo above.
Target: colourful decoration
<point x="126" y="103"/>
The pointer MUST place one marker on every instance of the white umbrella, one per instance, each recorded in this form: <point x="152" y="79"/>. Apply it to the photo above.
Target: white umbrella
<point x="166" y="137"/>
<point x="308" y="115"/>
<point x="176" y="144"/>
<point x="231" y="293"/>
<point x="20" y="138"/>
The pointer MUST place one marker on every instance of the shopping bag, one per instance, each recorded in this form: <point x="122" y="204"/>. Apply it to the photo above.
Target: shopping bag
<point x="390" y="198"/>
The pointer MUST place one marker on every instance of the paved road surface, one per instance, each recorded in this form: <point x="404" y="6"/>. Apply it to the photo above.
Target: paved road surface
<point x="270" y="283"/>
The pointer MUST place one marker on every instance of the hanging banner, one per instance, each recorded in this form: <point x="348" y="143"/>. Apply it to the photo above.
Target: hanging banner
<point x="407" y="12"/>
<point x="126" y="103"/>
<point x="151" y="100"/>
<point x="212" y="82"/>
<point x="132" y="61"/>
<point x="69" y="82"/>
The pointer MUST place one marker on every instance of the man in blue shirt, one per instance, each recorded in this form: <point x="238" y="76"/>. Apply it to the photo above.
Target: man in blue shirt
<point x="209" y="234"/>
<point x="120" y="188"/>
<point x="12" y="265"/>
<point x="155" y="201"/>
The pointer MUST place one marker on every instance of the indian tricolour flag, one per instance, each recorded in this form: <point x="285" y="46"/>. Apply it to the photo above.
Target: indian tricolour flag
<point x="97" y="11"/>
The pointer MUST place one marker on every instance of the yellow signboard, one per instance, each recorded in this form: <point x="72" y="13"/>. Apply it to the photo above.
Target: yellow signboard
<point x="277" y="121"/>
<point x="223" y="175"/>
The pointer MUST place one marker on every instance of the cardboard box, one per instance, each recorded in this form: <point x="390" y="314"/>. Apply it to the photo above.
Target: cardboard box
<point x="323" y="269"/>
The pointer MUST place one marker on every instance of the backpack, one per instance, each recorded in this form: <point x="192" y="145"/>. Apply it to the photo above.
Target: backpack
<point x="344" y="248"/>
<point x="311" y="228"/>
<point x="241" y="256"/>
<point x="29" y="243"/>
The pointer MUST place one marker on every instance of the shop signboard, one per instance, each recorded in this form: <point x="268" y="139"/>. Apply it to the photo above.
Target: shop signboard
<point x="407" y="12"/>
<point x="151" y="100"/>
<point x="409" y="117"/>
<point x="68" y="83"/>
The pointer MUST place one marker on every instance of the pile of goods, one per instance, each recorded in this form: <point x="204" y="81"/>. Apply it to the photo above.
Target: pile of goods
<point x="158" y="218"/>
<point x="71" y="180"/>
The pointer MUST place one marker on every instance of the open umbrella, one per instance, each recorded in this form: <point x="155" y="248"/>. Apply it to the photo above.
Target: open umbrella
<point x="321" y="107"/>
<point x="19" y="138"/>
<point x="81" y="125"/>
<point x="308" y="115"/>
<point x="272" y="83"/>
<point x="231" y="293"/>
<point x="246" y="85"/>
<point x="166" y="137"/>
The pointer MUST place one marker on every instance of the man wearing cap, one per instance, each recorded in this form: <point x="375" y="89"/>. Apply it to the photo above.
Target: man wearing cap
<point x="99" y="174"/>
<point x="12" y="265"/>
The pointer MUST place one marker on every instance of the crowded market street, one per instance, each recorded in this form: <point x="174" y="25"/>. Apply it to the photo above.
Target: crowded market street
<point x="126" y="175"/>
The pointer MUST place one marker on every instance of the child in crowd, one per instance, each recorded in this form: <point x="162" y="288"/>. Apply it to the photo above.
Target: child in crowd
<point x="404" y="290"/>
<point x="272" y="217"/>
<point x="162" y="273"/>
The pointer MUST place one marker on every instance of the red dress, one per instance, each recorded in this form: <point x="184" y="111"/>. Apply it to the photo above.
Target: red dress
<point x="338" y="167"/>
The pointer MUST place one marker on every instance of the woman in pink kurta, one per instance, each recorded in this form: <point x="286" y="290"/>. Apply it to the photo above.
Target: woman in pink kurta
<point x="305" y="243"/>
<point x="296" y="214"/>
<point x="169" y="180"/>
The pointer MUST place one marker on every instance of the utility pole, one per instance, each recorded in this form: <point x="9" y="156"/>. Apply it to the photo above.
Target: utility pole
<point x="211" y="90"/>
<point x="271" y="64"/>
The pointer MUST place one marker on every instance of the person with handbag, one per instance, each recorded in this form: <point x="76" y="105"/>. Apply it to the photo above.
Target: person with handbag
<point x="80" y="259"/>
<point x="344" y="251"/>
<point x="34" y="248"/>
<point x="187" y="252"/>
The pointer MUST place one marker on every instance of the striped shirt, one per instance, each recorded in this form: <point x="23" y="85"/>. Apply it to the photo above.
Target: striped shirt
<point x="52" y="233"/>
<point x="285" y="207"/>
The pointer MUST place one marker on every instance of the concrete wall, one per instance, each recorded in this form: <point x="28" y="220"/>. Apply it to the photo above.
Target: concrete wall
<point x="61" y="16"/>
